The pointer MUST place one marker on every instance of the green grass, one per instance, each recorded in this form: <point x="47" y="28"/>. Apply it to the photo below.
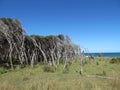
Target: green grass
<point x="38" y="79"/>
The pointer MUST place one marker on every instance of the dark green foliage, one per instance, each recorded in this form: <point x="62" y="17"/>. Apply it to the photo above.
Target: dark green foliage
<point x="85" y="62"/>
<point x="6" y="19"/>
<point x="115" y="61"/>
<point x="3" y="70"/>
<point x="61" y="37"/>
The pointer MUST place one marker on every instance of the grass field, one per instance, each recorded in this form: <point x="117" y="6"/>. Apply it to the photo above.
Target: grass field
<point x="97" y="75"/>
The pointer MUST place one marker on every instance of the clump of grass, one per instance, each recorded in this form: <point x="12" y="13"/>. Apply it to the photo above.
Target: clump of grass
<point x="66" y="71"/>
<point x="34" y="87"/>
<point x="48" y="68"/>
<point x="3" y="70"/>
<point x="97" y="63"/>
<point x="104" y="73"/>
<point x="101" y="74"/>
<point x="17" y="67"/>
<point x="25" y="78"/>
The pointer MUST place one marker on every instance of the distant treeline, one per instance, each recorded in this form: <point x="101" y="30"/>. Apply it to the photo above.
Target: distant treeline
<point x="17" y="48"/>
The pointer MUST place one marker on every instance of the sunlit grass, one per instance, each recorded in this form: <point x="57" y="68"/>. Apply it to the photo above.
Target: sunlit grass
<point x="36" y="79"/>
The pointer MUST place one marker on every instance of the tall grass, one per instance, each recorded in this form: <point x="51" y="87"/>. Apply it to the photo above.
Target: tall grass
<point x="38" y="79"/>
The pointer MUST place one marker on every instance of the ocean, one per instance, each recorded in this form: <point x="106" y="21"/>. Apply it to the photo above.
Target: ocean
<point x="110" y="54"/>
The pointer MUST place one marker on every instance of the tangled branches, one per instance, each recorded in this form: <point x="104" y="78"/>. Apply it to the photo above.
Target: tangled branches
<point x="16" y="48"/>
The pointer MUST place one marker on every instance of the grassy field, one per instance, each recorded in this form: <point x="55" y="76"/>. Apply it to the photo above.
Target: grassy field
<point x="99" y="74"/>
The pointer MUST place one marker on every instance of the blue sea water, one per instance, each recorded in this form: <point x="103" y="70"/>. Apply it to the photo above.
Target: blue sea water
<point x="110" y="54"/>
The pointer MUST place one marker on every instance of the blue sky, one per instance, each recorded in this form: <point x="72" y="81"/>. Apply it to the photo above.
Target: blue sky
<point x="92" y="24"/>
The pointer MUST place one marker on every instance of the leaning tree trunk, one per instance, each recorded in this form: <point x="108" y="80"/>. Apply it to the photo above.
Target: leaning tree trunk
<point x="9" y="39"/>
<point x="33" y="58"/>
<point x="44" y="56"/>
<point x="39" y="46"/>
<point x="58" y="58"/>
<point x="52" y="52"/>
<point x="10" y="56"/>
<point x="66" y="60"/>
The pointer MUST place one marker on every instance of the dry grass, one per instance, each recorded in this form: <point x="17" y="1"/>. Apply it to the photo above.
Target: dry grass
<point x="37" y="79"/>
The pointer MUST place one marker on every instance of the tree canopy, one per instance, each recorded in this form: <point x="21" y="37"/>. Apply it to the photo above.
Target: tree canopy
<point x="17" y="48"/>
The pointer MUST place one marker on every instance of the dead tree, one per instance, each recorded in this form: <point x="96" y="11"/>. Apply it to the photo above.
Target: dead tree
<point x="52" y="52"/>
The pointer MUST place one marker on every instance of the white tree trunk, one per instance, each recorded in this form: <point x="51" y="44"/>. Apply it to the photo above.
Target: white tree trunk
<point x="81" y="62"/>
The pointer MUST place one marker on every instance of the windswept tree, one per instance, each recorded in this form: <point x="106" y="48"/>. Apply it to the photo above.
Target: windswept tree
<point x="17" y="48"/>
<point x="14" y="35"/>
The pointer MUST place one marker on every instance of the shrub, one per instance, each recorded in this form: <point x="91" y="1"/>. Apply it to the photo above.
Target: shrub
<point x="115" y="60"/>
<point x="2" y="70"/>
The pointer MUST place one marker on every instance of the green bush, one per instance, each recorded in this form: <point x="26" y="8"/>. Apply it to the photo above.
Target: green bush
<point x="6" y="19"/>
<point x="115" y="60"/>
<point x="48" y="68"/>
<point x="2" y="70"/>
